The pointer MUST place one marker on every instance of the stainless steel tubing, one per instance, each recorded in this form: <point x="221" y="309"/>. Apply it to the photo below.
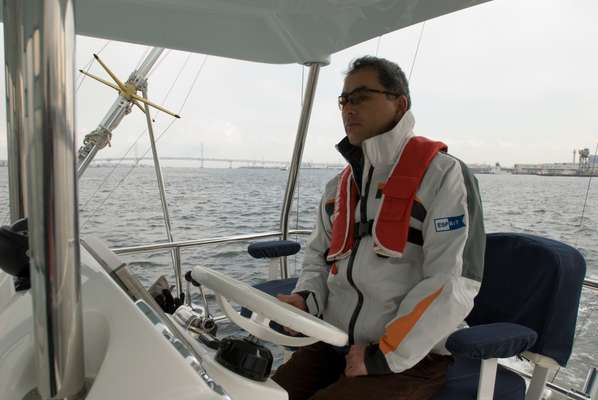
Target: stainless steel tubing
<point x="44" y="31"/>
<point x="14" y="112"/>
<point x="590" y="283"/>
<point x="201" y="242"/>
<point x="175" y="252"/>
<point x="590" y="386"/>
<point x="310" y="91"/>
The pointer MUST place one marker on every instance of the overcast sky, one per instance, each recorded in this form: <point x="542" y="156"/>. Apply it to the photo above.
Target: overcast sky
<point x="509" y="81"/>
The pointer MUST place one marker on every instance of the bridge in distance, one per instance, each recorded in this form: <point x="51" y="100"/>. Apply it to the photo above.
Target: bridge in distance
<point x="229" y="161"/>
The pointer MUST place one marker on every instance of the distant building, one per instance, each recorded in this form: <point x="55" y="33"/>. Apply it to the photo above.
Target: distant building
<point x="480" y="168"/>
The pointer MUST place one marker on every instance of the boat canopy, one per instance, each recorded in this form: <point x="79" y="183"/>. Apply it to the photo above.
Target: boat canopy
<point x="269" y="31"/>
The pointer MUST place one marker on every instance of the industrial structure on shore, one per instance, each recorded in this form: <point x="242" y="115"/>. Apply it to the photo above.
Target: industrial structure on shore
<point x="587" y="165"/>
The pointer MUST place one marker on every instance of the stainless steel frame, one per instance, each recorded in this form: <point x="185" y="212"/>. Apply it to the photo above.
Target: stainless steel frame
<point x="201" y="242"/>
<point x="15" y="108"/>
<point x="310" y="91"/>
<point x="41" y="59"/>
<point x="175" y="252"/>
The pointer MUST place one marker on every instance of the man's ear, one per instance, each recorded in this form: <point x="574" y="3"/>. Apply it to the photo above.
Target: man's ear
<point x="402" y="105"/>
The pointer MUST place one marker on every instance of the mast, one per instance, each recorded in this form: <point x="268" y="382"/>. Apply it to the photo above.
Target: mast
<point x="100" y="137"/>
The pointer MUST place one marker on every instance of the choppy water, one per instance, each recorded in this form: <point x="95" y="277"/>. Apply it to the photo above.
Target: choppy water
<point x="220" y="202"/>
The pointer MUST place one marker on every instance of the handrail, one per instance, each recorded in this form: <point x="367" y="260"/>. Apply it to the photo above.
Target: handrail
<point x="202" y="242"/>
<point x="568" y="393"/>
<point x="591" y="283"/>
<point x="588" y="282"/>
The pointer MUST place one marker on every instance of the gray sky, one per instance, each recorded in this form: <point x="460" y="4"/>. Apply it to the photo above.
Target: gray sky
<point x="510" y="81"/>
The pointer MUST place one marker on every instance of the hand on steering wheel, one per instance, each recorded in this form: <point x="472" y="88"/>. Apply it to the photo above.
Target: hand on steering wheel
<point x="266" y="308"/>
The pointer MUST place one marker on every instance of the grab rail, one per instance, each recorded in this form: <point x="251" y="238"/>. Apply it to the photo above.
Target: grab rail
<point x="588" y="282"/>
<point x="202" y="242"/>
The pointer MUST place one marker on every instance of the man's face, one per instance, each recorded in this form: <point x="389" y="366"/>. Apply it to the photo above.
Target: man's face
<point x="374" y="113"/>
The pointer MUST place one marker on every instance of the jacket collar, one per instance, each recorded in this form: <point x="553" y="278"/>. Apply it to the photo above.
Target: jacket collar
<point x="381" y="150"/>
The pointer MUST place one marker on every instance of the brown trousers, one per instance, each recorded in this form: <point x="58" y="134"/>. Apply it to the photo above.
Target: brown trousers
<point x="316" y="372"/>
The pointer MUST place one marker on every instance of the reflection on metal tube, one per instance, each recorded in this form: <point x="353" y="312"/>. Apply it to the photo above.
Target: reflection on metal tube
<point x="310" y="91"/>
<point x="44" y="53"/>
<point x="14" y="113"/>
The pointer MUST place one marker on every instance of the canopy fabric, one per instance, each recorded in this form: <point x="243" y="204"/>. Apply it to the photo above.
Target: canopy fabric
<point x="269" y="31"/>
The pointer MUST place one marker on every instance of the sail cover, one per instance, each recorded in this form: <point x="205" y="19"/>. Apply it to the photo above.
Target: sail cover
<point x="270" y="31"/>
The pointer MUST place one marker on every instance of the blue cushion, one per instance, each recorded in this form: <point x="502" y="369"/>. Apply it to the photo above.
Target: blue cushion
<point x="498" y="340"/>
<point x="463" y="377"/>
<point x="273" y="248"/>
<point x="535" y="282"/>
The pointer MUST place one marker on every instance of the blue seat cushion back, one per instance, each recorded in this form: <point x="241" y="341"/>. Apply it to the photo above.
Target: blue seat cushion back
<point x="462" y="382"/>
<point x="534" y="282"/>
<point x="279" y="286"/>
<point x="273" y="248"/>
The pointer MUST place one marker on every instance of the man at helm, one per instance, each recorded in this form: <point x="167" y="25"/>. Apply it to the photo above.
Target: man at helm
<point x="396" y="256"/>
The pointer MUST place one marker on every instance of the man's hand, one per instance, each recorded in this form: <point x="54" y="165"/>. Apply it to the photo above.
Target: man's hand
<point x="296" y="300"/>
<point x="355" y="361"/>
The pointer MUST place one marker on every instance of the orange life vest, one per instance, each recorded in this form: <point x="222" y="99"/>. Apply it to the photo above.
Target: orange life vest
<point x="391" y="225"/>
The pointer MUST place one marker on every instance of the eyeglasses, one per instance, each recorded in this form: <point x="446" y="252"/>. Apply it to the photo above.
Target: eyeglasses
<point x="360" y="95"/>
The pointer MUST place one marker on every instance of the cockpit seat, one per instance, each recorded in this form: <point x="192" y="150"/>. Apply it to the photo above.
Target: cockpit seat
<point x="527" y="305"/>
<point x="273" y="249"/>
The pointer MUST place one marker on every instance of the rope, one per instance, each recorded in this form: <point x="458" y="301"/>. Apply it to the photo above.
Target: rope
<point x="149" y="148"/>
<point x="141" y="134"/>
<point x="421" y="35"/>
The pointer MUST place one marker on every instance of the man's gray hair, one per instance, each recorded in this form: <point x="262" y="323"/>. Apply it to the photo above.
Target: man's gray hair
<point x="390" y="75"/>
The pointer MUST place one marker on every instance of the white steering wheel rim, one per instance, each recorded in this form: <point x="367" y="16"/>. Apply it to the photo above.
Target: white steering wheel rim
<point x="267" y="308"/>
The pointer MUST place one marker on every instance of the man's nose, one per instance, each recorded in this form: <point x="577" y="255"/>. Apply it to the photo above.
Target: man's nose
<point x="349" y="109"/>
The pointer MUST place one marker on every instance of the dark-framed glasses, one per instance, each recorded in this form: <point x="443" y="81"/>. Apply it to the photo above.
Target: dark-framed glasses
<point x="359" y="95"/>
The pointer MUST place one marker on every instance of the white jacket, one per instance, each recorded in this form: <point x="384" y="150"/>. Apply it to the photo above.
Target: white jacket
<point x="403" y="307"/>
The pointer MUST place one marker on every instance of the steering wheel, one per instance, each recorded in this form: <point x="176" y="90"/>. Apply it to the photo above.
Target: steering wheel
<point x="266" y="308"/>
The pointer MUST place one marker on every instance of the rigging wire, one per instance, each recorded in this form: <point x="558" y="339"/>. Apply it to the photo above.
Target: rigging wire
<point x="90" y="64"/>
<point x="141" y="134"/>
<point x="378" y="44"/>
<point x="149" y="148"/>
<point x="585" y="202"/>
<point x="157" y="65"/>
<point x="421" y="35"/>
